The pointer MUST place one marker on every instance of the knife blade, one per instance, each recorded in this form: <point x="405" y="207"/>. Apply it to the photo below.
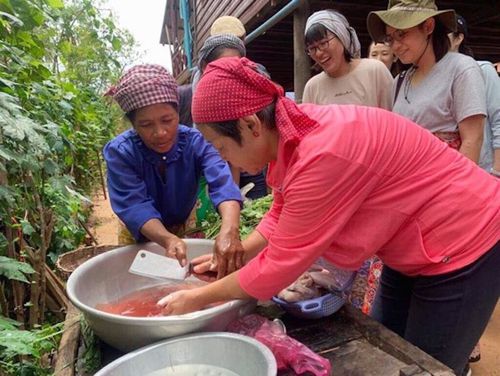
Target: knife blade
<point x="152" y="265"/>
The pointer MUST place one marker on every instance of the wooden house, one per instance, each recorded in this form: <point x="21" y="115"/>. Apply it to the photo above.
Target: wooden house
<point x="275" y="30"/>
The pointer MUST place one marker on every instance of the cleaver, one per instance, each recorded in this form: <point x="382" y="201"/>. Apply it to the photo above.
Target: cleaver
<point x="152" y="265"/>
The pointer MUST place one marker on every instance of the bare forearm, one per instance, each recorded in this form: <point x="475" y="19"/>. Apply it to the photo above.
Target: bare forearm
<point x="496" y="160"/>
<point x="156" y="232"/>
<point x="230" y="215"/>
<point x="184" y="301"/>
<point x="471" y="149"/>
<point x="253" y="244"/>
<point x="471" y="132"/>
<point x="227" y="288"/>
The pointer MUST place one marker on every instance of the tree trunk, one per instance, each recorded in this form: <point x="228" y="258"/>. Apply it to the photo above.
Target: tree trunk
<point x="18" y="291"/>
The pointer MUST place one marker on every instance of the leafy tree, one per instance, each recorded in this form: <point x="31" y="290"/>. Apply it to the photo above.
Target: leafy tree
<point x="56" y="60"/>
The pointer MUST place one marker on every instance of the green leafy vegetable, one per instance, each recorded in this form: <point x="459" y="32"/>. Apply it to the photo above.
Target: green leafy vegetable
<point x="251" y="214"/>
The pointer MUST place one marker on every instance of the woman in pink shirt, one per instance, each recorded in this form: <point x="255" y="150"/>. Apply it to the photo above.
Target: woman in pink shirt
<point x="351" y="182"/>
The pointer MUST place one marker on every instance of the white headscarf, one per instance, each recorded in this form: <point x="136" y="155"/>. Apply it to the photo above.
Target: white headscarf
<point x="338" y="25"/>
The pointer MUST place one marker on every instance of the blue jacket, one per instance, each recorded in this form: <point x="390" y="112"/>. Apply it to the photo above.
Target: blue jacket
<point x="138" y="192"/>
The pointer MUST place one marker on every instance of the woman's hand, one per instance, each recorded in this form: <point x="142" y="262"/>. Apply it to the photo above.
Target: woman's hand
<point x="204" y="268"/>
<point x="185" y="301"/>
<point x="228" y="252"/>
<point x="182" y="301"/>
<point x="176" y="248"/>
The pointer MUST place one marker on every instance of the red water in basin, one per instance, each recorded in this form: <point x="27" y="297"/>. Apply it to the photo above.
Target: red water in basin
<point x="142" y="303"/>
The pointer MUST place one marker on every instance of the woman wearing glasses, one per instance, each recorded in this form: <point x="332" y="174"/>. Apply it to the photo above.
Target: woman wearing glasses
<point x="442" y="91"/>
<point x="346" y="79"/>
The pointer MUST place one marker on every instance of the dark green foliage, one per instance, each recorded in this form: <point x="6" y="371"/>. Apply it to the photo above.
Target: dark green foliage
<point x="251" y="214"/>
<point x="56" y="60"/>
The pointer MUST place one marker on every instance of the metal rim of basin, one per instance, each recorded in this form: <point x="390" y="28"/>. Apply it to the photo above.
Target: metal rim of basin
<point x="148" y="321"/>
<point x="263" y="349"/>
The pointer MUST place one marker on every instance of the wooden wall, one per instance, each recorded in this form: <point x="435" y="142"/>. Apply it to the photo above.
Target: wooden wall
<point x="274" y="49"/>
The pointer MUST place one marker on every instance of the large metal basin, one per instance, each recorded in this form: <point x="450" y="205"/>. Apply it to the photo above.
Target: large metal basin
<point x="234" y="353"/>
<point x="105" y="278"/>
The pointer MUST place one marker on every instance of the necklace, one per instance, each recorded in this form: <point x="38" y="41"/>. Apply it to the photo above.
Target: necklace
<point x="412" y="70"/>
<point x="408" y="79"/>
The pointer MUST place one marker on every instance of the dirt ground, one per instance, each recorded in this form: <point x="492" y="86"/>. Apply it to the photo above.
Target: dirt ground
<point x="105" y="224"/>
<point x="489" y="365"/>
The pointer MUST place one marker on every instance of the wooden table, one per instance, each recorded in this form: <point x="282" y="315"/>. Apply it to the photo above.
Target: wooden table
<point x="355" y="344"/>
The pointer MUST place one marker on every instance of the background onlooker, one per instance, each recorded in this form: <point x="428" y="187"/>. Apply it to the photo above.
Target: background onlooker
<point x="443" y="92"/>
<point x="216" y="47"/>
<point x="185" y="95"/>
<point x="490" y="152"/>
<point x="346" y="78"/>
<point x="384" y="53"/>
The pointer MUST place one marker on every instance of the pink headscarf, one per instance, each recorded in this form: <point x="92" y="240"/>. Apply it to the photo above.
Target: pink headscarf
<point x="144" y="85"/>
<point x="232" y="88"/>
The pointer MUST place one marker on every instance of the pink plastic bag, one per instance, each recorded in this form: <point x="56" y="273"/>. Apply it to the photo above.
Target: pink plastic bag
<point x="288" y="352"/>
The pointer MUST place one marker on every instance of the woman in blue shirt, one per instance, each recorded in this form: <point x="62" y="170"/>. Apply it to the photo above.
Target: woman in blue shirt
<point x="155" y="167"/>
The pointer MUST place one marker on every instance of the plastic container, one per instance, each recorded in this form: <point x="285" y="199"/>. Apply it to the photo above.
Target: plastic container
<point x="324" y="305"/>
<point x="316" y="308"/>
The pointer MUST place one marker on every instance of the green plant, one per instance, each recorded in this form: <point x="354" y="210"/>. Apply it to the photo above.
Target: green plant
<point x="13" y="269"/>
<point x="251" y="214"/>
<point x="22" y="350"/>
<point x="91" y="356"/>
<point x="56" y="59"/>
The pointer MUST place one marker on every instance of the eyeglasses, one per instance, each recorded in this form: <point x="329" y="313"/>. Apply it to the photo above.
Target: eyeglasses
<point x="397" y="35"/>
<point x="320" y="46"/>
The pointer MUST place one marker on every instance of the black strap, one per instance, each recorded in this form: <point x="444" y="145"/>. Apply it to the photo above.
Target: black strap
<point x="398" y="84"/>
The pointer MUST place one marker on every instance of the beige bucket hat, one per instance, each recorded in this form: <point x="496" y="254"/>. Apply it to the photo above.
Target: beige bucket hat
<point x="404" y="14"/>
<point x="228" y="25"/>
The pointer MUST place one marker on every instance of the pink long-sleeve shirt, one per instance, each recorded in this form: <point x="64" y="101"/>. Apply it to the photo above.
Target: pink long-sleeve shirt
<point x="366" y="182"/>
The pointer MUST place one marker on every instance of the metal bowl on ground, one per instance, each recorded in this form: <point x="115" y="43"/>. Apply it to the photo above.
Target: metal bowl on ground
<point x="221" y="354"/>
<point x="105" y="278"/>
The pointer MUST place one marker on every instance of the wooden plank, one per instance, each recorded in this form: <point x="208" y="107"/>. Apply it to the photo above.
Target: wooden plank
<point x="393" y="344"/>
<point x="243" y="10"/>
<point x="210" y="14"/>
<point x="66" y="354"/>
<point x="361" y="358"/>
<point x="323" y="334"/>
<point x="56" y="289"/>
<point x="358" y="345"/>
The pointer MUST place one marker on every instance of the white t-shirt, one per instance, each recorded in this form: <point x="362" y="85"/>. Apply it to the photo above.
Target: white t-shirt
<point x="368" y="84"/>
<point x="452" y="91"/>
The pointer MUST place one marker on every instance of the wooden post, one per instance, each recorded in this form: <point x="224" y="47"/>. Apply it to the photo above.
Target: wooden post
<point x="302" y="70"/>
<point x="68" y="347"/>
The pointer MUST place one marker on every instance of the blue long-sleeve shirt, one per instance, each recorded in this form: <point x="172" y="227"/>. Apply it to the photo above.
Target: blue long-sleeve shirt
<point x="138" y="192"/>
